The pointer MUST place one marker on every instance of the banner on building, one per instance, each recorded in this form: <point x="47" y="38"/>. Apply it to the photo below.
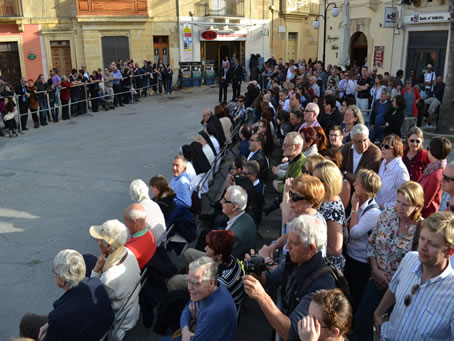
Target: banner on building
<point x="390" y="17"/>
<point x="212" y="35"/>
<point x="379" y="56"/>
<point x="187" y="43"/>
<point x="427" y="18"/>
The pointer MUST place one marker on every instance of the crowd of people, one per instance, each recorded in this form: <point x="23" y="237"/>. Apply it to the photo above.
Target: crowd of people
<point x="368" y="228"/>
<point x="66" y="96"/>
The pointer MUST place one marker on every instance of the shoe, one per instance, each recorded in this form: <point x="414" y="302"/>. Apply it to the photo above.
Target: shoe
<point x="36" y="125"/>
<point x="122" y="105"/>
<point x="20" y="132"/>
<point x="10" y="134"/>
<point x="44" y="124"/>
<point x="24" y="128"/>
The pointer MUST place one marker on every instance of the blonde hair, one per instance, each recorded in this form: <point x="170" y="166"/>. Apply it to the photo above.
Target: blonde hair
<point x="311" y="187"/>
<point x="370" y="181"/>
<point x="357" y="113"/>
<point x="441" y="222"/>
<point x="313" y="161"/>
<point x="413" y="192"/>
<point x="331" y="177"/>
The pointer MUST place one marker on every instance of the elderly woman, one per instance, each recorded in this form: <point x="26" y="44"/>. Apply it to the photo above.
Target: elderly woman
<point x="333" y="211"/>
<point x="139" y="193"/>
<point x="393" y="172"/>
<point x="352" y="117"/>
<point x="411" y="97"/>
<point x="163" y="194"/>
<point x="83" y="312"/>
<point x="310" y="141"/>
<point x="415" y="157"/>
<point x="302" y="195"/>
<point x="329" y="317"/>
<point x="363" y="218"/>
<point x="437" y="151"/>
<point x="388" y="243"/>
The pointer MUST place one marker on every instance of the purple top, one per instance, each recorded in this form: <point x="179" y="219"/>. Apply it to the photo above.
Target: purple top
<point x="56" y="79"/>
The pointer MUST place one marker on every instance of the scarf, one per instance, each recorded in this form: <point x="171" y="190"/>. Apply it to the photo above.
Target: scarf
<point x="433" y="166"/>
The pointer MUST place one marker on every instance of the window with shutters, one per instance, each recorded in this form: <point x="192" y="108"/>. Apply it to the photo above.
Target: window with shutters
<point x="114" y="48"/>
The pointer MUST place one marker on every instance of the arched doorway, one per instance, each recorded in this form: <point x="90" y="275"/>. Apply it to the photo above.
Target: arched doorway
<point x="358" y="48"/>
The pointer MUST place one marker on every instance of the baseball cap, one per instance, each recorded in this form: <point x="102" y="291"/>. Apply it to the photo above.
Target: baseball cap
<point x="113" y="232"/>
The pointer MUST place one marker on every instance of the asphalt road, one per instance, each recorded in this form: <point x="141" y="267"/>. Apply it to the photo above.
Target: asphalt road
<point x="58" y="180"/>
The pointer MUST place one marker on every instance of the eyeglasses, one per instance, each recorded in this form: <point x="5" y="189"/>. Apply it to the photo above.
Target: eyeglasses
<point x="295" y="197"/>
<point x="415" y="141"/>
<point x="414" y="290"/>
<point x="309" y="111"/>
<point x="226" y="201"/>
<point x="334" y="135"/>
<point x="245" y="173"/>
<point x="447" y="178"/>
<point x="252" y="140"/>
<point x="386" y="146"/>
<point x="285" y="145"/>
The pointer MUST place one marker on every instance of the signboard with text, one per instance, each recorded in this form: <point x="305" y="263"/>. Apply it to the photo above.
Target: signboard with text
<point x="187" y="43"/>
<point x="211" y="35"/>
<point x="379" y="56"/>
<point x="427" y="18"/>
<point x="390" y="17"/>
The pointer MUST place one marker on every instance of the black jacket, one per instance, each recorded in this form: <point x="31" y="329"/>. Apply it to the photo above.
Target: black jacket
<point x="327" y="121"/>
<point x="260" y="157"/>
<point x="237" y="74"/>
<point x="228" y="76"/>
<point x="395" y="120"/>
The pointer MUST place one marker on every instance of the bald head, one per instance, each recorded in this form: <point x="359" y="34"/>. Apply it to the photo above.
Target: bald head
<point x="135" y="218"/>
<point x="206" y="115"/>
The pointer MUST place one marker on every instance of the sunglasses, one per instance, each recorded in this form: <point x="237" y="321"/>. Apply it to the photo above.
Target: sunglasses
<point x="447" y="178"/>
<point x="415" y="141"/>
<point x="386" y="146"/>
<point x="295" y="197"/>
<point x="414" y="290"/>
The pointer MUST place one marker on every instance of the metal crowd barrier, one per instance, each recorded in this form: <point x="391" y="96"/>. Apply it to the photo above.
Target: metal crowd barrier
<point x="87" y="98"/>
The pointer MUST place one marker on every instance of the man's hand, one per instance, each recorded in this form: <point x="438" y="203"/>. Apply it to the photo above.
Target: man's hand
<point x="43" y="331"/>
<point x="186" y="334"/>
<point x="266" y="251"/>
<point x="378" y="321"/>
<point x="381" y="278"/>
<point x="253" y="287"/>
<point x="100" y="262"/>
<point x="308" y="329"/>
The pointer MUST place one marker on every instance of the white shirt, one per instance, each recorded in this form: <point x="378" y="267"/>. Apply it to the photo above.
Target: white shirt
<point x="356" y="158"/>
<point x="350" y="90"/>
<point x="231" y="221"/>
<point x="155" y="221"/>
<point x="392" y="175"/>
<point x="208" y="153"/>
<point x="216" y="145"/>
<point x="429" y="77"/>
<point x="286" y="106"/>
<point x="251" y="154"/>
<point x="359" y="233"/>
<point x="316" y="89"/>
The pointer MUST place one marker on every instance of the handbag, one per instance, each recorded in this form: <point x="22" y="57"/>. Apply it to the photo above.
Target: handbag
<point x="9" y="116"/>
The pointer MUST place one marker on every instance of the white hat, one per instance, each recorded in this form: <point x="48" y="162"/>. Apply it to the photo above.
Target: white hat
<point x="113" y="232"/>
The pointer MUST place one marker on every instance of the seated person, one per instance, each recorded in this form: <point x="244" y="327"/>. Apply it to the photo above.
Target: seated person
<point x="330" y="317"/>
<point x="142" y="242"/>
<point x="163" y="195"/>
<point x="118" y="269"/>
<point x="306" y="237"/>
<point x="180" y="183"/>
<point x="256" y="143"/>
<point x="155" y="221"/>
<point x="251" y="169"/>
<point x="219" y="248"/>
<point x="83" y="312"/>
<point x="210" y="305"/>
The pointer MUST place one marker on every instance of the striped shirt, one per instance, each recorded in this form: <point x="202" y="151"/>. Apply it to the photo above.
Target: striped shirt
<point x="232" y="277"/>
<point x="430" y="314"/>
<point x="392" y="175"/>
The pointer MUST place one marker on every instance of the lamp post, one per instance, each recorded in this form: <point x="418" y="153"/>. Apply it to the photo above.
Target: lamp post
<point x="316" y="24"/>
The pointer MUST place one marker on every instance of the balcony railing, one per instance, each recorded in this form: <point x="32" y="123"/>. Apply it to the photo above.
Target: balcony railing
<point x="220" y="8"/>
<point x="10" y="8"/>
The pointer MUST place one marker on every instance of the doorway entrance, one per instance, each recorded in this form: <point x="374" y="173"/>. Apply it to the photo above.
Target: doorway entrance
<point x="217" y="50"/>
<point x="358" y="48"/>
<point x="292" y="45"/>
<point x="61" y="56"/>
<point x="161" y="49"/>
<point x="10" y="63"/>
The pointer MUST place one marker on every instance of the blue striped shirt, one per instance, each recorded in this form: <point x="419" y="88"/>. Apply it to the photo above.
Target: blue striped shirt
<point x="430" y="314"/>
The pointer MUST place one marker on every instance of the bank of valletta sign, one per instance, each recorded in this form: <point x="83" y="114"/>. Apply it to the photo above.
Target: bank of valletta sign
<point x="211" y="35"/>
<point x="427" y="18"/>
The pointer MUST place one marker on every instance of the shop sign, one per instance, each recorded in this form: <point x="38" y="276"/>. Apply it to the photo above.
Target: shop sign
<point x="390" y="17"/>
<point x="187" y="42"/>
<point x="238" y="36"/>
<point x="379" y="56"/>
<point x="209" y="35"/>
<point x="427" y="18"/>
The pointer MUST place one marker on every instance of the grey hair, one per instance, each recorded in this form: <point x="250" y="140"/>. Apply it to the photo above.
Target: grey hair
<point x="359" y="129"/>
<point x="238" y="196"/>
<point x="183" y="160"/>
<point x="386" y="91"/>
<point x="252" y="167"/>
<point x="210" y="270"/>
<point x="70" y="266"/>
<point x="310" y="230"/>
<point x="138" y="190"/>
<point x="63" y="78"/>
<point x="296" y="138"/>
<point x="357" y="113"/>
<point x="135" y="214"/>
<point x="315" y="107"/>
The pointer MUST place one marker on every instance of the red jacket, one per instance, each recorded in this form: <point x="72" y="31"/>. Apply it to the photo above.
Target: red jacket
<point x="417" y="98"/>
<point x="431" y="185"/>
<point x="65" y="91"/>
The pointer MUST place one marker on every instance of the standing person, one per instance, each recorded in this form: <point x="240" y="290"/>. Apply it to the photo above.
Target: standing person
<point x="65" y="95"/>
<point x="169" y="77"/>
<point x="23" y="98"/>
<point x="375" y="91"/>
<point x="436" y="99"/>
<point x="352" y="117"/>
<point x="75" y="92"/>
<point x="9" y="115"/>
<point x="83" y="92"/>
<point x="422" y="289"/>
<point x="395" y="119"/>
<point x="412" y="97"/>
<point x="42" y="86"/>
<point x="54" y="95"/>
<point x="108" y="89"/>
<point x="237" y="78"/>
<point x="224" y="80"/>
<point x="93" y="89"/>
<point x="429" y="80"/>
<point x="437" y="151"/>
<point x="118" y="99"/>
<point x="33" y="102"/>
<point x="381" y="109"/>
<point x="389" y="242"/>
<point x="415" y="156"/>
<point x="363" y="88"/>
